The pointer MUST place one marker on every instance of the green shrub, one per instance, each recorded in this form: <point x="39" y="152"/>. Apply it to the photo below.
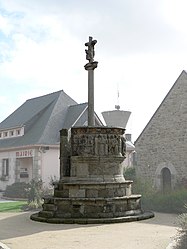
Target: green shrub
<point x="35" y="194"/>
<point x="183" y="219"/>
<point x="172" y="202"/>
<point x="34" y="205"/>
<point x="143" y="187"/>
<point x="129" y="173"/>
<point x="181" y="240"/>
<point x="17" y="190"/>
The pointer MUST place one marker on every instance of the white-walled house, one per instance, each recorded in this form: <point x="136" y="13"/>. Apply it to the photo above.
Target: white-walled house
<point x="29" y="137"/>
<point x="130" y="150"/>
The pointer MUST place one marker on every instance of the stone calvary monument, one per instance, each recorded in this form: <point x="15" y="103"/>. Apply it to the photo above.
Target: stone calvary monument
<point x="92" y="188"/>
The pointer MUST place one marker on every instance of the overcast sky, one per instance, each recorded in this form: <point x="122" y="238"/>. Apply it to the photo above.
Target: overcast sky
<point x="141" y="50"/>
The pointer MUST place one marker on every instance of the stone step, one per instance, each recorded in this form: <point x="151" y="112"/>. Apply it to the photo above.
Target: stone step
<point x="92" y="183"/>
<point x="46" y="214"/>
<point x="49" y="207"/>
<point x="93" y="193"/>
<point x="138" y="217"/>
<point x="57" y="199"/>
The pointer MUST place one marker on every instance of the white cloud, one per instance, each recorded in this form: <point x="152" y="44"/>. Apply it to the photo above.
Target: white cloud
<point x="138" y="48"/>
<point x="3" y="100"/>
<point x="174" y="12"/>
<point x="5" y="26"/>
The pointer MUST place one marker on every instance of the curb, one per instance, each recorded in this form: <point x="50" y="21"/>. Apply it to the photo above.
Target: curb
<point x="3" y="246"/>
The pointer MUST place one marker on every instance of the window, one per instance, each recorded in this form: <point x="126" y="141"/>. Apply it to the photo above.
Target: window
<point x="24" y="173"/>
<point x="5" y="134"/>
<point x="11" y="133"/>
<point x="18" y="132"/>
<point x="5" y="167"/>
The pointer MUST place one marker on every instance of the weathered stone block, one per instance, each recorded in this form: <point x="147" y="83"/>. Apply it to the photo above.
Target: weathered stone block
<point x="48" y="200"/>
<point x="49" y="207"/>
<point x="82" y="170"/>
<point x="103" y="193"/>
<point x="63" y="215"/>
<point x="46" y="214"/>
<point x="94" y="169"/>
<point x="77" y="193"/>
<point x="121" y="207"/>
<point x="64" y="208"/>
<point x="118" y="192"/>
<point x="93" y="208"/>
<point x="62" y="193"/>
<point x="128" y="190"/>
<point x="109" y="208"/>
<point x="91" y="193"/>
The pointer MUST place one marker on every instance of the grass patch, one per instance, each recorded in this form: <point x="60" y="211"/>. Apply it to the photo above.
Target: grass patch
<point x="12" y="206"/>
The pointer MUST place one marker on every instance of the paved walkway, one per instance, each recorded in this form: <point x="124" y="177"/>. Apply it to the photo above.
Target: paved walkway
<point x="17" y="231"/>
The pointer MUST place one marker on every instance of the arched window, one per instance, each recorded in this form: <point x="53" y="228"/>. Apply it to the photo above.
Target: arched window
<point x="166" y="180"/>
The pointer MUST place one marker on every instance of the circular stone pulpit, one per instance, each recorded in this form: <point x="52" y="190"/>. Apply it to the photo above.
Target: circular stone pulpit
<point x="92" y="188"/>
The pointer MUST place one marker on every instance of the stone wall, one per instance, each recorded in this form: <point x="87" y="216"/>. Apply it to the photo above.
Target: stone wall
<point x="163" y="142"/>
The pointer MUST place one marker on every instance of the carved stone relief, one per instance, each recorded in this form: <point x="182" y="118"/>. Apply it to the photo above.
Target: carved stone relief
<point x="98" y="144"/>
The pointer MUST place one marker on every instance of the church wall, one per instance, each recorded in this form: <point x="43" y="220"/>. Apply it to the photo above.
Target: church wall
<point x="164" y="140"/>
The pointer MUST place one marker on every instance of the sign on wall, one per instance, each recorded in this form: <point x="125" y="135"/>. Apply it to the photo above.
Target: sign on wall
<point x="24" y="153"/>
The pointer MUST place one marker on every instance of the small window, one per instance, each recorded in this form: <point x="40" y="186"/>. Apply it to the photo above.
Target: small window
<point x="24" y="173"/>
<point x="5" y="134"/>
<point x="18" y="132"/>
<point x="0" y="134"/>
<point x="5" y="167"/>
<point x="11" y="133"/>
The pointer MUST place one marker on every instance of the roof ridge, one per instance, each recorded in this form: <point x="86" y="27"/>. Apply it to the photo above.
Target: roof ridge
<point x="48" y="94"/>
<point x="79" y="104"/>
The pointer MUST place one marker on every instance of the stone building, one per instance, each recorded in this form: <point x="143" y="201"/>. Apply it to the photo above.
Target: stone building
<point x="30" y="137"/>
<point x="119" y="118"/>
<point x="161" y="148"/>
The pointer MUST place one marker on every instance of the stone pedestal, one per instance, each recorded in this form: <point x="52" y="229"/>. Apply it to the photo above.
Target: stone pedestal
<point x="92" y="188"/>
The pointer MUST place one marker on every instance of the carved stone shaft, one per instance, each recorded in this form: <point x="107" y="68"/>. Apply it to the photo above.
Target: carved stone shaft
<point x="90" y="68"/>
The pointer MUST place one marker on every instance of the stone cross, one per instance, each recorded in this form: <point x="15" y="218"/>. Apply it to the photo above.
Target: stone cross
<point x="90" y="53"/>
<point x="90" y="66"/>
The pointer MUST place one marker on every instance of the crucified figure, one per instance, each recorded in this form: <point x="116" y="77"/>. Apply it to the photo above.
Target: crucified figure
<point x="90" y="51"/>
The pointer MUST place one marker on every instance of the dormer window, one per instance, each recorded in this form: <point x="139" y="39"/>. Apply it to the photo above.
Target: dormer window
<point x="11" y="133"/>
<point x="16" y="132"/>
<point x="5" y="134"/>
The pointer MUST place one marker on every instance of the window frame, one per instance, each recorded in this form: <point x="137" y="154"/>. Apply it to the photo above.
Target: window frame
<point x="5" y="167"/>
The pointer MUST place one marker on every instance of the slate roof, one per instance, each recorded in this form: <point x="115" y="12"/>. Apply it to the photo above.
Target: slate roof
<point x="42" y="117"/>
<point x="73" y="114"/>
